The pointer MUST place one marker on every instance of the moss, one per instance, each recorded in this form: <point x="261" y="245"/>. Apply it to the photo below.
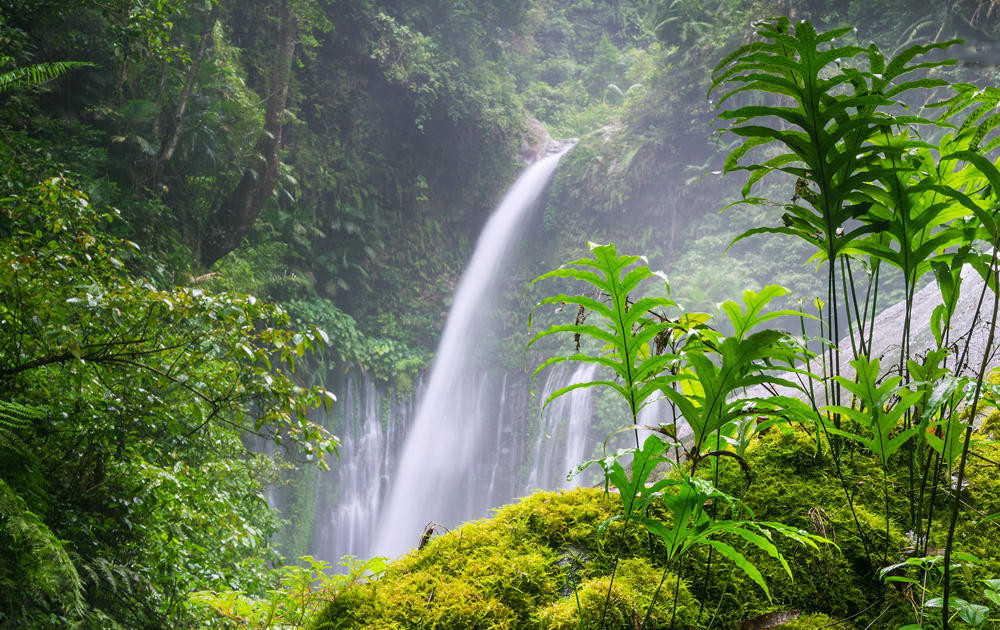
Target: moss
<point x="493" y="573"/>
<point x="794" y="486"/>
<point x="976" y="532"/>
<point x="563" y="518"/>
<point x="631" y="594"/>
<point x="809" y="622"/>
<point x="990" y="428"/>
<point x="525" y="567"/>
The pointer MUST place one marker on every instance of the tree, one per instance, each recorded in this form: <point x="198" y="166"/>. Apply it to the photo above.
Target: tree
<point x="126" y="463"/>
<point x="234" y="217"/>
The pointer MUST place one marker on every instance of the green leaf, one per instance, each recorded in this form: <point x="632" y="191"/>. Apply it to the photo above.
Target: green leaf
<point x="742" y="563"/>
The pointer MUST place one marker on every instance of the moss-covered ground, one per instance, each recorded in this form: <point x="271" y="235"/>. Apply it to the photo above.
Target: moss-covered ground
<point x="546" y="562"/>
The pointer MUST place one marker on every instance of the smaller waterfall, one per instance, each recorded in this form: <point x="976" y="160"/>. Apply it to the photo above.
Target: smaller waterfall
<point x="562" y="441"/>
<point x="350" y="495"/>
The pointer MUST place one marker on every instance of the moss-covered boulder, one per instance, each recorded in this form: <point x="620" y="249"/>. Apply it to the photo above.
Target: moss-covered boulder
<point x="490" y="574"/>
<point x="546" y="562"/>
<point x="631" y="603"/>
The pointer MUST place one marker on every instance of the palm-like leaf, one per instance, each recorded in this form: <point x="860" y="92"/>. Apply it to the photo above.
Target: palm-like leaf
<point x="35" y="74"/>
<point x="626" y="329"/>
<point x="833" y="111"/>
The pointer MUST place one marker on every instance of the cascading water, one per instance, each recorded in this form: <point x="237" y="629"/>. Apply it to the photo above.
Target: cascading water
<point x="351" y="494"/>
<point x="562" y="441"/>
<point x="444" y="474"/>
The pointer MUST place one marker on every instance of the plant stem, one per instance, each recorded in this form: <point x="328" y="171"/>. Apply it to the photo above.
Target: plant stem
<point x="656" y="593"/>
<point x="968" y="437"/>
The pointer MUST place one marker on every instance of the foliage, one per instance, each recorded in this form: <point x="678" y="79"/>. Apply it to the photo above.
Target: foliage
<point x="36" y="74"/>
<point x="42" y="561"/>
<point x="651" y="353"/>
<point x="624" y="332"/>
<point x="301" y="591"/>
<point x="561" y="531"/>
<point x="147" y="391"/>
<point x="871" y="194"/>
<point x="578" y="63"/>
<point x="402" y="123"/>
<point x="866" y="192"/>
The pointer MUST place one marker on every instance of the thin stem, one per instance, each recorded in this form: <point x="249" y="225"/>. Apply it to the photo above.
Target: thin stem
<point x="656" y="593"/>
<point x="621" y="543"/>
<point x="968" y="437"/>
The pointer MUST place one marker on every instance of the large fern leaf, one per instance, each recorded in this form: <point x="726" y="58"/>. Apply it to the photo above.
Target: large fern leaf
<point x="43" y="558"/>
<point x="35" y="74"/>
<point x="15" y="419"/>
<point x="832" y="106"/>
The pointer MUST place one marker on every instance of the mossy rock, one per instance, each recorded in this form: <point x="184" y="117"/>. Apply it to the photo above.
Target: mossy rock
<point x="794" y="484"/>
<point x="489" y="574"/>
<point x="559" y="519"/>
<point x="976" y="532"/>
<point x="814" y="622"/>
<point x="631" y="595"/>
<point x="526" y="567"/>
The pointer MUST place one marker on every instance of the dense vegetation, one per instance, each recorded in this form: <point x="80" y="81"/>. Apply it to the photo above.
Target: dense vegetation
<point x="210" y="210"/>
<point x="143" y="144"/>
<point x="778" y="446"/>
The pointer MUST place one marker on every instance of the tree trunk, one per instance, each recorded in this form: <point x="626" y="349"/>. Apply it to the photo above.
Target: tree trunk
<point x="234" y="217"/>
<point x="206" y="35"/>
<point x="170" y="144"/>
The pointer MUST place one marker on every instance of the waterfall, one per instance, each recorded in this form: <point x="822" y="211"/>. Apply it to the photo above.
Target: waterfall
<point x="441" y="476"/>
<point x="348" y="498"/>
<point x="562" y="441"/>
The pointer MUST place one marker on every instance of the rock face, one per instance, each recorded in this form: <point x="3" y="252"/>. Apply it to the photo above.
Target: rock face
<point x="967" y="341"/>
<point x="970" y="323"/>
<point x="535" y="142"/>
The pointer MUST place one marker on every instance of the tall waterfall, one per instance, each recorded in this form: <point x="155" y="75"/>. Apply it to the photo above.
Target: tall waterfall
<point x="440" y="475"/>
<point x="350" y="495"/>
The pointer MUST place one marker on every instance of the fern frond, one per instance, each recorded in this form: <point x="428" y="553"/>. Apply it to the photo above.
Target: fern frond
<point x="36" y="74"/>
<point x="48" y="568"/>
<point x="16" y="418"/>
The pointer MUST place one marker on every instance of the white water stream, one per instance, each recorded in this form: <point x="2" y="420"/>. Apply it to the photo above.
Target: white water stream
<point x="439" y="476"/>
<point x="562" y="442"/>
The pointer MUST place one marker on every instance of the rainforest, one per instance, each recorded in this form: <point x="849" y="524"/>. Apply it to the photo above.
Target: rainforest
<point x="471" y="314"/>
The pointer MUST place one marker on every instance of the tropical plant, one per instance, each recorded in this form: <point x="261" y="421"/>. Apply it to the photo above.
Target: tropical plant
<point x="148" y="391"/>
<point x="35" y="74"/>
<point x="869" y="190"/>
<point x="832" y="115"/>
<point x="703" y="374"/>
<point x="302" y="591"/>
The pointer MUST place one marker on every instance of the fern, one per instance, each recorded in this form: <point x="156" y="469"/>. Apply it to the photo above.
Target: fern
<point x="14" y="419"/>
<point x="46" y="565"/>
<point x="35" y="74"/>
<point x="626" y="328"/>
<point x="837" y="106"/>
